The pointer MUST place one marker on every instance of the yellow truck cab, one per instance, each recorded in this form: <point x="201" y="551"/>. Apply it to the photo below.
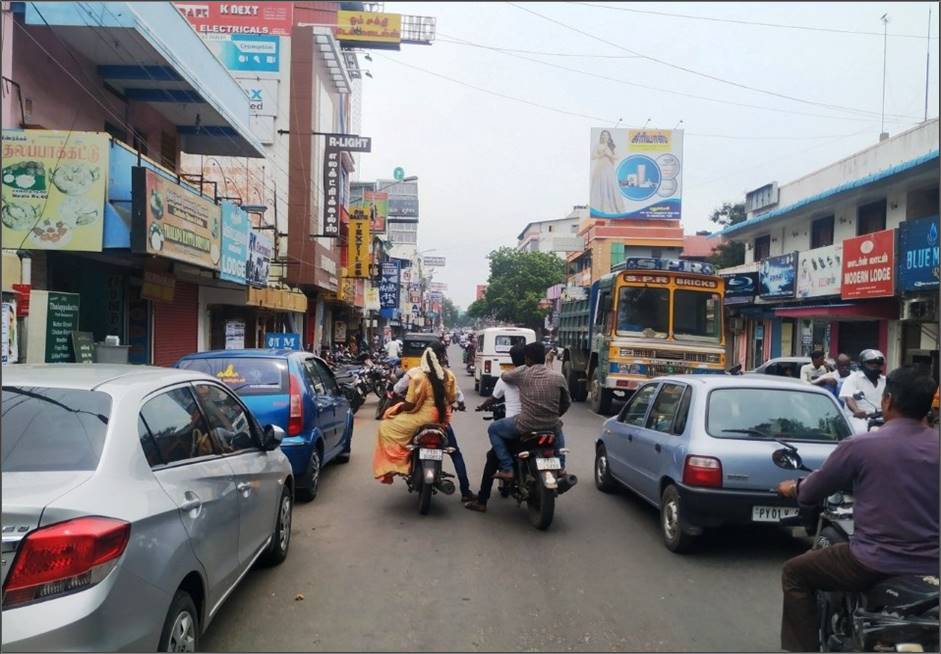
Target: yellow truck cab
<point x="493" y="354"/>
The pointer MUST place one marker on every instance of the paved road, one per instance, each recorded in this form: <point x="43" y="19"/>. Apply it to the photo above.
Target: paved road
<point x="375" y="575"/>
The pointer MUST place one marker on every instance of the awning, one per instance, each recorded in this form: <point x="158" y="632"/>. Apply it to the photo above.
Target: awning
<point x="886" y="309"/>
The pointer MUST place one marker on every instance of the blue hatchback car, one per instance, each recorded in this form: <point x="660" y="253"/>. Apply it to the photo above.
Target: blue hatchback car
<point x="294" y="390"/>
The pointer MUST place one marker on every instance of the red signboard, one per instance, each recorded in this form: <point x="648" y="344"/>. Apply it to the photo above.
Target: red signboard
<point x="869" y="266"/>
<point x="22" y="299"/>
<point x="274" y="18"/>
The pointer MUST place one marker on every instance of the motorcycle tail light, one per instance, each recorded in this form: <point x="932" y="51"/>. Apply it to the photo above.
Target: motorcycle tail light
<point x="702" y="471"/>
<point x="548" y="452"/>
<point x="430" y="439"/>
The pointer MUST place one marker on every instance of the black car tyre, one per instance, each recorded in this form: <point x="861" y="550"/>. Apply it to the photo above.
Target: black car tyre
<point x="310" y="484"/>
<point x="277" y="550"/>
<point x="181" y="628"/>
<point x="671" y="522"/>
<point x="603" y="479"/>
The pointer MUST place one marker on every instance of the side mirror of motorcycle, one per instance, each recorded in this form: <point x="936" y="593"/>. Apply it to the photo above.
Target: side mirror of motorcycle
<point x="787" y="459"/>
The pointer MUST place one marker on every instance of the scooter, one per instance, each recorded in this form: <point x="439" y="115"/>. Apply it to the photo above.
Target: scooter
<point x="899" y="614"/>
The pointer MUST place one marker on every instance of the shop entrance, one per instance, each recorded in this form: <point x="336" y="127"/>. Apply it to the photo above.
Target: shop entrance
<point x="857" y="336"/>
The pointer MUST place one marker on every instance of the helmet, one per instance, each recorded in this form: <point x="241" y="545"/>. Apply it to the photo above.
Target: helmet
<point x="871" y="356"/>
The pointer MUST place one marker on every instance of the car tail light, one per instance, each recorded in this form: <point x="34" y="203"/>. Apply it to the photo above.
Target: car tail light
<point x="296" y="415"/>
<point x="487" y="367"/>
<point x="702" y="471"/>
<point x="64" y="558"/>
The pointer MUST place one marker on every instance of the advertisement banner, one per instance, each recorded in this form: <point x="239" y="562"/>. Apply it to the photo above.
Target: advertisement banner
<point x="234" y="334"/>
<point x="819" y="271"/>
<point x="365" y="27"/>
<point x="53" y="189"/>
<point x="260" y="252"/>
<point x="262" y="95"/>
<point x="239" y="17"/>
<point x="173" y="222"/>
<point x="378" y="205"/>
<point x="235" y="230"/>
<point x="372" y="298"/>
<point x="435" y="262"/>
<point x="61" y="321"/>
<point x="389" y="286"/>
<point x="358" y="243"/>
<point x="331" y="191"/>
<point x="740" y="288"/>
<point x="247" y="53"/>
<point x="776" y="276"/>
<point x="918" y="254"/>
<point x="869" y="265"/>
<point x="636" y="173"/>
<point x="438" y="286"/>
<point x="403" y="206"/>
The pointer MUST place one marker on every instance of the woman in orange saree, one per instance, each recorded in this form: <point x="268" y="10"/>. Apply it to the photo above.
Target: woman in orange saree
<point x="431" y="393"/>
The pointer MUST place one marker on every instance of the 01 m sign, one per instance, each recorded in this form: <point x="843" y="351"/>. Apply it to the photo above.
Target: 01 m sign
<point x="869" y="266"/>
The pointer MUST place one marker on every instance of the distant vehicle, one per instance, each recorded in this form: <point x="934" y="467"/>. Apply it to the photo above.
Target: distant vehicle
<point x="647" y="317"/>
<point x="134" y="501"/>
<point x="698" y="447"/>
<point x="782" y="367"/>
<point x="492" y="355"/>
<point x="413" y="345"/>
<point x="294" y="390"/>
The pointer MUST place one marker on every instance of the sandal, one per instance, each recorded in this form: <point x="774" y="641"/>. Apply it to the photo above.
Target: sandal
<point x="476" y="506"/>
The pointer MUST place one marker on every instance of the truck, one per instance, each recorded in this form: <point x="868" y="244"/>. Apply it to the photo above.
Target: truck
<point x="646" y="318"/>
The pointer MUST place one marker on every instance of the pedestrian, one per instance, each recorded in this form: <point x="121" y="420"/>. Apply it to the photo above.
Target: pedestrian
<point x="816" y="368"/>
<point x="833" y="381"/>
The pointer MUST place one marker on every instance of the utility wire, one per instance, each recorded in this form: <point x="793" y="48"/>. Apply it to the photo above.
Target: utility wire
<point x="543" y="53"/>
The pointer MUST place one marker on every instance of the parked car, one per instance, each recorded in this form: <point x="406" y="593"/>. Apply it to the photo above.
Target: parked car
<point x="296" y="391"/>
<point x="698" y="447"/>
<point x="113" y="541"/>
<point x="782" y="367"/>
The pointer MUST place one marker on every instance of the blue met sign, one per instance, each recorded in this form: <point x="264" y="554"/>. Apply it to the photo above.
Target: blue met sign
<point x="918" y="254"/>
<point x="283" y="340"/>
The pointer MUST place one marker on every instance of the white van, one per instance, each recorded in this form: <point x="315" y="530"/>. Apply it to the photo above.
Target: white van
<point x="493" y="354"/>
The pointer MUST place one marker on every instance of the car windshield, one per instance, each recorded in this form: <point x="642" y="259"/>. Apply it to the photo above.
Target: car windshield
<point x="414" y="348"/>
<point x="696" y="315"/>
<point x="791" y="414"/>
<point x="246" y="375"/>
<point x="642" y="309"/>
<point x="504" y="342"/>
<point x="52" y="429"/>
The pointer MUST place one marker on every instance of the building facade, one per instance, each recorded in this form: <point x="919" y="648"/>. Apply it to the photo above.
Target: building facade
<point x="559" y="236"/>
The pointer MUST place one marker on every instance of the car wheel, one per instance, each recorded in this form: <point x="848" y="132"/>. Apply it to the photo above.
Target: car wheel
<point x="671" y="521"/>
<point x="603" y="479"/>
<point x="307" y="489"/>
<point x="181" y="628"/>
<point x="281" y="539"/>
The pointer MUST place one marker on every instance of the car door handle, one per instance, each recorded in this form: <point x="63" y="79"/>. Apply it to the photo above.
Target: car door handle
<point x="191" y="502"/>
<point x="657" y="447"/>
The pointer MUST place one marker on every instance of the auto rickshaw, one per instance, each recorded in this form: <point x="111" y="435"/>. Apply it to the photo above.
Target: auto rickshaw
<point x="413" y="345"/>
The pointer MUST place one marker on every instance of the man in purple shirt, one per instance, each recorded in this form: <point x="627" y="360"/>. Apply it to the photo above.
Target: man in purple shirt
<point x="893" y="475"/>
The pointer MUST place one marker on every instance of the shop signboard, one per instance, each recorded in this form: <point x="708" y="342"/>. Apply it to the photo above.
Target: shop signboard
<point x="173" y="222"/>
<point x="369" y="28"/>
<point x="83" y="345"/>
<point x="22" y="299"/>
<point x="389" y="286"/>
<point x="438" y="286"/>
<point x="358" y="243"/>
<point x="239" y="17"/>
<point x="331" y="191"/>
<point x="283" y="340"/>
<point x="372" y="297"/>
<point x="53" y="189"/>
<point x="636" y="174"/>
<point x="435" y="262"/>
<point x="260" y="251"/>
<point x="246" y="53"/>
<point x="53" y="318"/>
<point x="819" y="271"/>
<point x="235" y="231"/>
<point x="918" y="255"/>
<point x="234" y="334"/>
<point x="776" y="276"/>
<point x="869" y="266"/>
<point x="158" y="287"/>
<point x="740" y="288"/>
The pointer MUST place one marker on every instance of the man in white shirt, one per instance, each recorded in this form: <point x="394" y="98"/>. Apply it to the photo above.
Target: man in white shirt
<point x="394" y="348"/>
<point x="869" y="381"/>
<point x="816" y="368"/>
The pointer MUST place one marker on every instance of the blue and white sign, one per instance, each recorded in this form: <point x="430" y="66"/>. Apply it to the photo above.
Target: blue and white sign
<point x="777" y="276"/>
<point x="389" y="285"/>
<point x="235" y="232"/>
<point x="918" y="254"/>
<point x="257" y="53"/>
<point x="283" y="340"/>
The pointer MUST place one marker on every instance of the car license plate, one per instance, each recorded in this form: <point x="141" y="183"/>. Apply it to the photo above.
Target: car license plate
<point x="551" y="463"/>
<point x="772" y="513"/>
<point x="430" y="454"/>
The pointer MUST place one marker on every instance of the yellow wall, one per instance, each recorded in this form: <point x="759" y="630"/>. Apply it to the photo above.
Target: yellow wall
<point x="11" y="270"/>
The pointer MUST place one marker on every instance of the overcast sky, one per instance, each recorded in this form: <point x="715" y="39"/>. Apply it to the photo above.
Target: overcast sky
<point x="488" y="165"/>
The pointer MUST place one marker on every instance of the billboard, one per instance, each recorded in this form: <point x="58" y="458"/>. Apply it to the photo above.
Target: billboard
<point x="636" y="174"/>
<point x="363" y="28"/>
<point x="819" y="271"/>
<point x="435" y="262"/>
<point x="276" y="18"/>
<point x="260" y="252"/>
<point x="235" y="231"/>
<point x="918" y="254"/>
<point x="403" y="198"/>
<point x="53" y="189"/>
<point x="248" y="53"/>
<point x="389" y="286"/>
<point x="869" y="265"/>
<point x="741" y="288"/>
<point x="776" y="276"/>
<point x="378" y="204"/>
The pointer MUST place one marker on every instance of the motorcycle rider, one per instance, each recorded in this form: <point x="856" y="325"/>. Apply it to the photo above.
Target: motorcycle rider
<point x="893" y="474"/>
<point x="869" y="381"/>
<point x="833" y="381"/>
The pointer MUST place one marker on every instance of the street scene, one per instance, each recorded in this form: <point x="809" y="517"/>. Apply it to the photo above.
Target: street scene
<point x="470" y="326"/>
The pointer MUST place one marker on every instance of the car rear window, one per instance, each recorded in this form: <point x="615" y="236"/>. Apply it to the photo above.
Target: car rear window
<point x="777" y="412"/>
<point x="414" y="348"/>
<point x="245" y="375"/>
<point x="503" y="343"/>
<point x="50" y="429"/>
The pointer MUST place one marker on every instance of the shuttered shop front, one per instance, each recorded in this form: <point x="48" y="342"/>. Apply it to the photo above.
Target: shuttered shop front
<point x="176" y="325"/>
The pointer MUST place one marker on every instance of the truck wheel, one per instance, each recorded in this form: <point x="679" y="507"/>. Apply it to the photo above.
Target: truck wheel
<point x="572" y="379"/>
<point x="600" y="398"/>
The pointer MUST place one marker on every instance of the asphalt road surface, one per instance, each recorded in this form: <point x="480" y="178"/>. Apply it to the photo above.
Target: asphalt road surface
<point x="367" y="572"/>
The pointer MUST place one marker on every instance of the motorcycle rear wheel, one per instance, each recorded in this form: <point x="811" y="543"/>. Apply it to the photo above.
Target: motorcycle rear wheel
<point x="424" y="498"/>
<point x="541" y="506"/>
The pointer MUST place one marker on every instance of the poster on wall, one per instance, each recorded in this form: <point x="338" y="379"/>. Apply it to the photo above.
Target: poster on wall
<point x="260" y="252"/>
<point x="339" y="331"/>
<point x="869" y="266"/>
<point x="235" y="231"/>
<point x="234" y="334"/>
<point x="918" y="254"/>
<point x="819" y="271"/>
<point x="173" y="222"/>
<point x="776" y="276"/>
<point x="378" y="205"/>
<point x="636" y="173"/>
<point x="740" y="288"/>
<point x="53" y="189"/>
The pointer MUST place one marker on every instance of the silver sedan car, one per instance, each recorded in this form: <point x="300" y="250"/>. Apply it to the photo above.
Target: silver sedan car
<point x="113" y="541"/>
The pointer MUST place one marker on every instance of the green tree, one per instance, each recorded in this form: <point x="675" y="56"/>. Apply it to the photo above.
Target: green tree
<point x="518" y="281"/>
<point x="450" y="314"/>
<point x="728" y="254"/>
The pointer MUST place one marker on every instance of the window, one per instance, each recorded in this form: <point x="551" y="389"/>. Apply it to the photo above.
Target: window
<point x="329" y="383"/>
<point x="313" y="378"/>
<point x="229" y="422"/>
<point x="636" y="410"/>
<point x="821" y="232"/>
<point x="779" y="413"/>
<point x="550" y="228"/>
<point x="177" y="426"/>
<point x="696" y="315"/>
<point x="762" y="247"/>
<point x="140" y="142"/>
<point x="602" y="310"/>
<point x="51" y="429"/>
<point x="504" y="342"/>
<point x="148" y="443"/>
<point x="664" y="408"/>
<point x="640" y="309"/>
<point x="245" y="376"/>
<point x="679" y="425"/>
<point x="921" y="203"/>
<point x="168" y="150"/>
<point x="870" y="218"/>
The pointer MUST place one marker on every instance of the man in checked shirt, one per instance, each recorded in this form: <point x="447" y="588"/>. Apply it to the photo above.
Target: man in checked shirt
<point x="544" y="396"/>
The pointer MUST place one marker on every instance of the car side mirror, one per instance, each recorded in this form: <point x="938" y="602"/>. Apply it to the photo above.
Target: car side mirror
<point x="273" y="437"/>
<point x="787" y="459"/>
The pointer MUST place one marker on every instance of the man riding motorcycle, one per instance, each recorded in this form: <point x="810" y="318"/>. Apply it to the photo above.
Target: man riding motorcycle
<point x="869" y="381"/>
<point x="893" y="474"/>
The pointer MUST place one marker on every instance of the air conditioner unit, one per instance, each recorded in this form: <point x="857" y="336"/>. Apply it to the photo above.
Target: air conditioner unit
<point x="922" y="308"/>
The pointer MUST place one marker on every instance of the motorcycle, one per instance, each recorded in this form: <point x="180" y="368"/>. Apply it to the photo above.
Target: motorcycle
<point x="874" y="419"/>
<point x="899" y="614"/>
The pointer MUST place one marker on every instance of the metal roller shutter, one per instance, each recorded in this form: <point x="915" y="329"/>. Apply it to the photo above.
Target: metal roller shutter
<point x="176" y="324"/>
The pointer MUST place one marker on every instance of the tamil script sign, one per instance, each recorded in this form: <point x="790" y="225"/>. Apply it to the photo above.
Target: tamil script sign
<point x="235" y="230"/>
<point x="364" y="28"/>
<point x="358" y="244"/>
<point x="819" y="271"/>
<point x="869" y="265"/>
<point x="918" y="254"/>
<point x="389" y="286"/>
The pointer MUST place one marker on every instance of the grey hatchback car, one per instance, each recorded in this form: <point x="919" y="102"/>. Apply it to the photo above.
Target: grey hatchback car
<point x="698" y="447"/>
<point x="134" y="500"/>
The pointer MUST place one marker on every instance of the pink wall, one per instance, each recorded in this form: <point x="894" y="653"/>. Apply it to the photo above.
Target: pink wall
<point x="9" y="109"/>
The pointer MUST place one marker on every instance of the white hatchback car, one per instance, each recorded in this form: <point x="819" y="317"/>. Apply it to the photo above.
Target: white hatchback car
<point x="134" y="500"/>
